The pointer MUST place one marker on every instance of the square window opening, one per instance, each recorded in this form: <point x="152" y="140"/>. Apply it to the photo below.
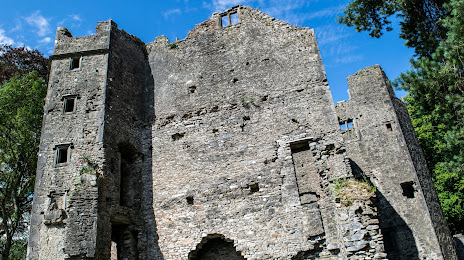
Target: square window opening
<point x="69" y="104"/>
<point x="408" y="189"/>
<point x="389" y="126"/>
<point x="349" y="124"/>
<point x="343" y="126"/>
<point x="62" y="154"/>
<point x="75" y="63"/>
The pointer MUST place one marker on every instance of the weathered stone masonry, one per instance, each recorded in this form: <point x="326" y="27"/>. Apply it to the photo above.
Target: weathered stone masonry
<point x="225" y="145"/>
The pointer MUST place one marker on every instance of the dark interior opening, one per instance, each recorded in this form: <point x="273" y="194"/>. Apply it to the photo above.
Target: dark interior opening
<point x="189" y="200"/>
<point x="299" y="146"/>
<point x="214" y="248"/>
<point x="62" y="154"/>
<point x="75" y="63"/>
<point x="69" y="104"/>
<point x="254" y="187"/>
<point x="124" y="242"/>
<point x="408" y="189"/>
<point x="389" y="126"/>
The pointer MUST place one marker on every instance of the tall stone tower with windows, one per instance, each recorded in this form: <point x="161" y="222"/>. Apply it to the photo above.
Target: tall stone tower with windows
<point x="95" y="158"/>
<point x="225" y="145"/>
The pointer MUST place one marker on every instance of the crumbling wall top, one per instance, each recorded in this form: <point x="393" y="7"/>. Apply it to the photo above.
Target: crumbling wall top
<point x="65" y="43"/>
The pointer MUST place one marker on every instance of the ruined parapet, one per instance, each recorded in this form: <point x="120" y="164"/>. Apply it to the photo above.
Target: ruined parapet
<point x="380" y="141"/>
<point x="65" y="43"/>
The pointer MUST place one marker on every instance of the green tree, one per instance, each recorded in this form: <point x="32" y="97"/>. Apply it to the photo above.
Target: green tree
<point x="21" y="110"/>
<point x="435" y="99"/>
<point x="419" y="20"/>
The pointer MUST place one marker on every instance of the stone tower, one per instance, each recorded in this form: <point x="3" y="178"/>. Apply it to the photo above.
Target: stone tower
<point x="225" y="145"/>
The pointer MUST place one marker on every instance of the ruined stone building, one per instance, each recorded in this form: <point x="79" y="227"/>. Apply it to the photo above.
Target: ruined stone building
<point x="225" y="145"/>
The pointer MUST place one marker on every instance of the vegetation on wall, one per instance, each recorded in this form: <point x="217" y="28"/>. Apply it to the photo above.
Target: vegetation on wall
<point x="435" y="84"/>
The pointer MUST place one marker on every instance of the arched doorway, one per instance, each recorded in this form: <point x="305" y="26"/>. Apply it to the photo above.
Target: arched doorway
<point x="215" y="247"/>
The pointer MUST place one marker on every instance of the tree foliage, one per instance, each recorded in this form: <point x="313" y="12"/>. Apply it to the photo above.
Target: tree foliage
<point x="21" y="60"/>
<point x="435" y="84"/>
<point x="21" y="110"/>
<point x="419" y="20"/>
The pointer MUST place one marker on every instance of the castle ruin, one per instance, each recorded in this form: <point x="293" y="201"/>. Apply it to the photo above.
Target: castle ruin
<point x="225" y="145"/>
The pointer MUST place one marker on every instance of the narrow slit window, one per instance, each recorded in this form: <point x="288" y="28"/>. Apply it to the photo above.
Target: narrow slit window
<point x="75" y="63"/>
<point x="62" y="154"/>
<point x="69" y="105"/>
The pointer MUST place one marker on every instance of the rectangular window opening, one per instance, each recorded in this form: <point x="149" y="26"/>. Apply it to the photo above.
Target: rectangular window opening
<point x="62" y="154"/>
<point x="234" y="18"/>
<point x="225" y="21"/>
<point x="69" y="104"/>
<point x="349" y="123"/>
<point x="75" y="63"/>
<point x="345" y="125"/>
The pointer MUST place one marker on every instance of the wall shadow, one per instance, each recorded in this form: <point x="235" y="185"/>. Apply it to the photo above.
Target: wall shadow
<point x="398" y="238"/>
<point x="459" y="244"/>
<point x="151" y="230"/>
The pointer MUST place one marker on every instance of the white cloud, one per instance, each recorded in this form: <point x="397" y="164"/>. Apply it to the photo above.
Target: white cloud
<point x="40" y="22"/>
<point x="171" y="12"/>
<point x="221" y="5"/>
<point x="349" y="59"/>
<point x="72" y="20"/>
<point x="45" y="40"/>
<point x="326" y="13"/>
<point x="5" y="39"/>
<point x="75" y="17"/>
<point x="329" y="34"/>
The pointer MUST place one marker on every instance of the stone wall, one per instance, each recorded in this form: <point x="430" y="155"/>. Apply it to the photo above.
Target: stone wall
<point x="378" y="145"/>
<point x="230" y="104"/>
<point x="224" y="145"/>
<point x="64" y="215"/>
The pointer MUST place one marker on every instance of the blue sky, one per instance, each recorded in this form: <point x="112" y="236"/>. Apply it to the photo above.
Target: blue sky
<point x="343" y="50"/>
